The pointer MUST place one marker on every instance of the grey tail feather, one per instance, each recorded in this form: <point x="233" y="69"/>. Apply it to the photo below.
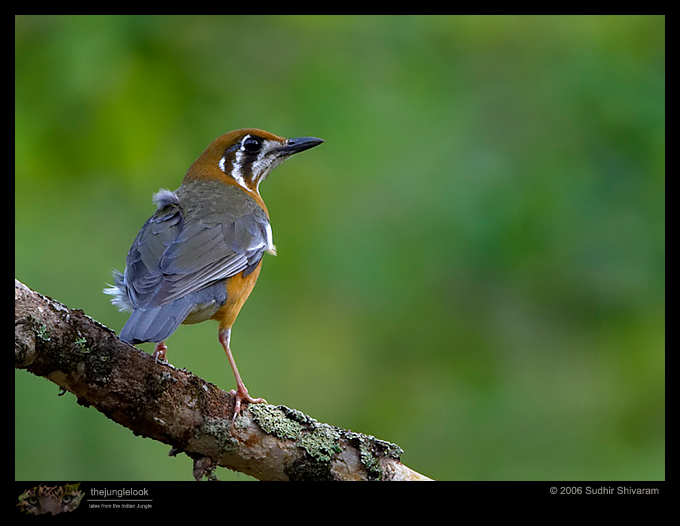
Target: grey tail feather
<point x="154" y="324"/>
<point x="119" y="293"/>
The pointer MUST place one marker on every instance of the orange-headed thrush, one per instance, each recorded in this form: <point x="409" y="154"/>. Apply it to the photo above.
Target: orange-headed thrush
<point x="199" y="255"/>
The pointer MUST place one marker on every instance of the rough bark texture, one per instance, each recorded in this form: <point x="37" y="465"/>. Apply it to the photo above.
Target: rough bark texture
<point x="178" y="408"/>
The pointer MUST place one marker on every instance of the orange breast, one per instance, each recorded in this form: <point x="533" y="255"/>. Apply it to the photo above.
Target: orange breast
<point x="238" y="290"/>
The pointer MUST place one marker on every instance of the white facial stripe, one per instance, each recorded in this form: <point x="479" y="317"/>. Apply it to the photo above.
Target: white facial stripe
<point x="254" y="170"/>
<point x="237" y="168"/>
<point x="264" y="162"/>
<point x="243" y="141"/>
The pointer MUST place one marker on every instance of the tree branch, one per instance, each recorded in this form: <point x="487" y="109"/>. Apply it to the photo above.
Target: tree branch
<point x="178" y="408"/>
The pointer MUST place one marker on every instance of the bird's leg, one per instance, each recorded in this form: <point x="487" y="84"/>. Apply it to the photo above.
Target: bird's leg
<point x="159" y="352"/>
<point x="240" y="393"/>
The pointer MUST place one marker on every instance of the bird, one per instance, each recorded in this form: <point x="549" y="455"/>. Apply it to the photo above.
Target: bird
<point x="199" y="255"/>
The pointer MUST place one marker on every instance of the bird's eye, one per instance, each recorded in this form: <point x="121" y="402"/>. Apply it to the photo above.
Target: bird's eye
<point x="251" y="144"/>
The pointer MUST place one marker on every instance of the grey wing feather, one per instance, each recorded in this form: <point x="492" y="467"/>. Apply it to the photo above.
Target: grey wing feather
<point x="177" y="262"/>
<point x="203" y="254"/>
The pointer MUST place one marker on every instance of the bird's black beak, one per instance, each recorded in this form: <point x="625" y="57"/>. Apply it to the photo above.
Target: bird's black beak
<point x="299" y="144"/>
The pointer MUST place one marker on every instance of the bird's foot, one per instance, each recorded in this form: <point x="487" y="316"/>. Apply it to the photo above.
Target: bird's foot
<point x="240" y="395"/>
<point x="160" y="352"/>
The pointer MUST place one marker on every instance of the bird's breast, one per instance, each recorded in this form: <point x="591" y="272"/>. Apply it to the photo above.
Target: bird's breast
<point x="202" y="312"/>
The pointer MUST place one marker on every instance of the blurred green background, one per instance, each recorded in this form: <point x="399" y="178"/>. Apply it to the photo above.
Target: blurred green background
<point x="472" y="265"/>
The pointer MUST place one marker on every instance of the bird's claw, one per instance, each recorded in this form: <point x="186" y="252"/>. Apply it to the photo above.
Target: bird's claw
<point x="241" y="395"/>
<point x="159" y="352"/>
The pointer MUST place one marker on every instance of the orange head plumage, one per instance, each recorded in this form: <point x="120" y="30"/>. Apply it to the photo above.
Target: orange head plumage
<point x="245" y="158"/>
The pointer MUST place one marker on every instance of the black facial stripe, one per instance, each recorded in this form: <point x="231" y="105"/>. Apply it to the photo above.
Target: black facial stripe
<point x="247" y="167"/>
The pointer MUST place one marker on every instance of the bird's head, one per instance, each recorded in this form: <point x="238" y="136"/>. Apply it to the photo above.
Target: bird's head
<point x="246" y="157"/>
